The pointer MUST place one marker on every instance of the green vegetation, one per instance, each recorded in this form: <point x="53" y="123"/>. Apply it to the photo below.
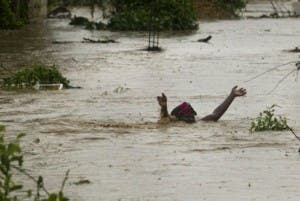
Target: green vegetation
<point x="79" y="21"/>
<point x="232" y="6"/>
<point x="91" y="3"/>
<point x="75" y="2"/>
<point x="219" y="9"/>
<point x="135" y="15"/>
<point x="10" y="19"/>
<point x="167" y="14"/>
<point x="95" y="26"/>
<point x="82" y="21"/>
<point x="2" y="128"/>
<point x="29" y="77"/>
<point x="11" y="160"/>
<point x="267" y="121"/>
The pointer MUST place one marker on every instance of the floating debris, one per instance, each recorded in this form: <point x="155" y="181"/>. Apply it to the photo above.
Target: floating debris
<point x="62" y="42"/>
<point x="89" y="40"/>
<point x="205" y="40"/>
<point x="83" y="181"/>
<point x="120" y="90"/>
<point x="295" y="50"/>
<point x="39" y="86"/>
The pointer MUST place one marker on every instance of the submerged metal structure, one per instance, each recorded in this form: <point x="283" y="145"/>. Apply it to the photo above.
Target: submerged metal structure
<point x="154" y="26"/>
<point x="280" y="9"/>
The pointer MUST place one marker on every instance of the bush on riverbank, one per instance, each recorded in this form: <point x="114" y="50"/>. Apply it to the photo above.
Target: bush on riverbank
<point x="29" y="77"/>
<point x="75" y="2"/>
<point x="219" y="9"/>
<point x="135" y="15"/>
<point x="169" y="14"/>
<point x="84" y="22"/>
<point x="8" y="19"/>
<point x="232" y="6"/>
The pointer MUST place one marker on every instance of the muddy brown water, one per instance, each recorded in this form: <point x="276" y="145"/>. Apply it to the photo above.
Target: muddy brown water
<point x="107" y="133"/>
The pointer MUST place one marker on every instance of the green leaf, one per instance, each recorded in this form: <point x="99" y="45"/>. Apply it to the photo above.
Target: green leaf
<point x="13" y="148"/>
<point x="29" y="193"/>
<point x="19" y="159"/>
<point x="52" y="197"/>
<point x="2" y="128"/>
<point x="21" y="135"/>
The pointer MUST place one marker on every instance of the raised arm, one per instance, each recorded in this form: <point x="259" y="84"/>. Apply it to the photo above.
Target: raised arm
<point x="221" y="109"/>
<point x="162" y="101"/>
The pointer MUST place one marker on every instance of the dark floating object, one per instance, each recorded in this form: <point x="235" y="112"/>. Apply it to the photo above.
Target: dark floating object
<point x="73" y="87"/>
<point x="295" y="50"/>
<point x="60" y="12"/>
<point x="205" y="40"/>
<point x="90" y="25"/>
<point x="62" y="42"/>
<point x="83" y="181"/>
<point x="79" y="21"/>
<point x="154" y="49"/>
<point x="89" y="40"/>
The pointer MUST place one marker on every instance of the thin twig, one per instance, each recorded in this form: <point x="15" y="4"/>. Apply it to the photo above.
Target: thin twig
<point x="39" y="184"/>
<point x="271" y="69"/>
<point x="64" y="181"/>
<point x="292" y="131"/>
<point x="30" y="176"/>
<point x="281" y="80"/>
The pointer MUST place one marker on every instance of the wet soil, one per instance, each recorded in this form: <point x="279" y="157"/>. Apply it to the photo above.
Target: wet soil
<point x="106" y="133"/>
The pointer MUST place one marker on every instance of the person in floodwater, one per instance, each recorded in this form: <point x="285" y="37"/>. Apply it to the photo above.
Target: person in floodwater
<point x="185" y="112"/>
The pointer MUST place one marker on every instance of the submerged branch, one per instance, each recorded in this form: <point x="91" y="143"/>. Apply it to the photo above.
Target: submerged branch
<point x="30" y="177"/>
<point x="281" y="80"/>
<point x="292" y="131"/>
<point x="271" y="69"/>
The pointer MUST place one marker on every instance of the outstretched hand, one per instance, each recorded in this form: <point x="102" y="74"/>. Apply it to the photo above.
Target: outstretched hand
<point x="162" y="100"/>
<point x="238" y="91"/>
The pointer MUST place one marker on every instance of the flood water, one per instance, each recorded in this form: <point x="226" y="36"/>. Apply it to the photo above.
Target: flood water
<point x="107" y="132"/>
